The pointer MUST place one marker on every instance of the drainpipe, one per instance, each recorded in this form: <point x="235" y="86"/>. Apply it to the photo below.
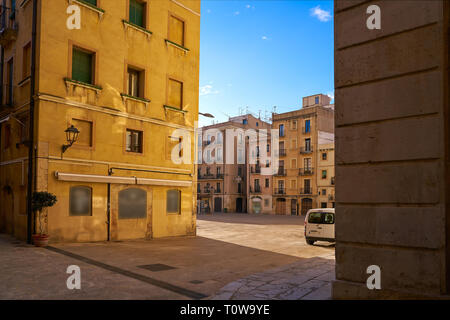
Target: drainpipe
<point x="108" y="209"/>
<point x="31" y="128"/>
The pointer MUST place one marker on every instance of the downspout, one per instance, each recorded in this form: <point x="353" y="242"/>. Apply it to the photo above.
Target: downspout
<point x="31" y="129"/>
<point x="108" y="208"/>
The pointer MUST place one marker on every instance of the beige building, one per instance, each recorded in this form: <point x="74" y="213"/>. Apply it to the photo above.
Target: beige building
<point x="300" y="134"/>
<point x="224" y="187"/>
<point x="392" y="150"/>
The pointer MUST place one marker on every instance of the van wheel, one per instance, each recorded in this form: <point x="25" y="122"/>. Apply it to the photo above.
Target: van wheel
<point x="310" y="242"/>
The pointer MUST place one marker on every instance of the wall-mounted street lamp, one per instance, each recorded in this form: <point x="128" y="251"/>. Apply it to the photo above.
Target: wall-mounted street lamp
<point x="208" y="115"/>
<point x="71" y="137"/>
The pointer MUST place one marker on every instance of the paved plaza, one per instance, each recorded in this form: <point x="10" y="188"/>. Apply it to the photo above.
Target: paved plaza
<point x="234" y="256"/>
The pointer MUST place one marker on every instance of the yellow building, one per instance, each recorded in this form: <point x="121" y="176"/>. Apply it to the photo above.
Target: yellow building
<point x="300" y="134"/>
<point x="126" y="79"/>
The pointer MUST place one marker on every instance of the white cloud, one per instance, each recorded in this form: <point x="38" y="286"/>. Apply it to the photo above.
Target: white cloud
<point x="248" y="6"/>
<point x="208" y="90"/>
<point x="331" y="95"/>
<point x="236" y="13"/>
<point x="264" y="38"/>
<point x="320" y="14"/>
<point x="208" y="11"/>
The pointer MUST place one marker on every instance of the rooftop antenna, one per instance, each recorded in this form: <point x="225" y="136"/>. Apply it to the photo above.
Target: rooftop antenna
<point x="259" y="114"/>
<point x="246" y="110"/>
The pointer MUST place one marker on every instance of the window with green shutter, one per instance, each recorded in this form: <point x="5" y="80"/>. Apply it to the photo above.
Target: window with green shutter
<point x="93" y="2"/>
<point x="82" y="64"/>
<point x="137" y="13"/>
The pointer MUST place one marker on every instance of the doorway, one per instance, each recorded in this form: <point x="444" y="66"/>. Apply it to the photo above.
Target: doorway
<point x="280" y="207"/>
<point x="217" y="204"/>
<point x="239" y="205"/>
<point x="306" y="205"/>
<point x="294" y="207"/>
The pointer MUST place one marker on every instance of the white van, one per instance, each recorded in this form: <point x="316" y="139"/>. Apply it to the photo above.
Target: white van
<point x="319" y="225"/>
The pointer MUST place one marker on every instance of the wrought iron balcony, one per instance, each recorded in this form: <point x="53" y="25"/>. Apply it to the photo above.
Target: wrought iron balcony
<point x="281" y="172"/>
<point x="306" y="191"/>
<point x="255" y="169"/>
<point x="305" y="171"/>
<point x="282" y="152"/>
<point x="8" y="25"/>
<point x="280" y="191"/>
<point x="306" y="150"/>
<point x="256" y="189"/>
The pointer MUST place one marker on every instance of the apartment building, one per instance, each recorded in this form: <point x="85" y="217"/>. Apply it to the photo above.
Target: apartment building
<point x="123" y="82"/>
<point x="224" y="186"/>
<point x="300" y="134"/>
<point x="325" y="176"/>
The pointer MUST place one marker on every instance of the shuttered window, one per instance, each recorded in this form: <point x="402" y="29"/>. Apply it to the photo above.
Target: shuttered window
<point x="137" y="13"/>
<point x="176" y="30"/>
<point x="82" y="66"/>
<point x="93" y="2"/>
<point x="175" y="93"/>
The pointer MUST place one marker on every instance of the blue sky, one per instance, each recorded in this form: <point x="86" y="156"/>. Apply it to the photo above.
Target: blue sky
<point x="263" y="54"/>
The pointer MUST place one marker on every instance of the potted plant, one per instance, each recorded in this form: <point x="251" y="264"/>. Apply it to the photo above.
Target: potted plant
<point x="42" y="201"/>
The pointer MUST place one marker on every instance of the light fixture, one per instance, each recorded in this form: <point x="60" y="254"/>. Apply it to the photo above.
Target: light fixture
<point x="207" y="115"/>
<point x="71" y="137"/>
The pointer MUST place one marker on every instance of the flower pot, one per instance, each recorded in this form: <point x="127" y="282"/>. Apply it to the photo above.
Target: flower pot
<point x="40" y="240"/>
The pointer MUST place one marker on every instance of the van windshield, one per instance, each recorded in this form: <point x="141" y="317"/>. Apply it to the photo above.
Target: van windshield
<point x="321" y="218"/>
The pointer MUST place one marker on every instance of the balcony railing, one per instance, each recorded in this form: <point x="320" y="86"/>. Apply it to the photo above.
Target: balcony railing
<point x="305" y="171"/>
<point x="306" y="191"/>
<point x="210" y="176"/>
<point x="218" y="191"/>
<point x="306" y="130"/>
<point x="281" y="172"/>
<point x="306" y="150"/>
<point x="255" y="169"/>
<point x="8" y="25"/>
<point x="282" y="152"/>
<point x="256" y="189"/>
<point x="280" y="191"/>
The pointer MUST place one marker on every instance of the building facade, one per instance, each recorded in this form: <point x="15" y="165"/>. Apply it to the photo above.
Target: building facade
<point x="224" y="185"/>
<point x="325" y="176"/>
<point x="295" y="189"/>
<point x="127" y="79"/>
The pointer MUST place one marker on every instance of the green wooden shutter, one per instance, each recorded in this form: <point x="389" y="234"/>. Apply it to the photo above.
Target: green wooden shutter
<point x="137" y="13"/>
<point x="93" y="2"/>
<point x="82" y="66"/>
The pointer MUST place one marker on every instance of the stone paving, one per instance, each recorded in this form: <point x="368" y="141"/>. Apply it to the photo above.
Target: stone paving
<point x="310" y="280"/>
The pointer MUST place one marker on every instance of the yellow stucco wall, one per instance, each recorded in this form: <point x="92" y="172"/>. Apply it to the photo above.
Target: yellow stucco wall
<point x="60" y="102"/>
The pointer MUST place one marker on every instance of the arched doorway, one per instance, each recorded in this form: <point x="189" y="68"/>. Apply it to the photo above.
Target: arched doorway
<point x="306" y="205"/>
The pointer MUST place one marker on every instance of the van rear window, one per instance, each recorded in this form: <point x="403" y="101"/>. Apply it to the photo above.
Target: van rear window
<point x="321" y="218"/>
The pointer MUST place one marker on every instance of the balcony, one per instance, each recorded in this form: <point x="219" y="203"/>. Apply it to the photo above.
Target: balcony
<point x="256" y="189"/>
<point x="281" y="172"/>
<point x="306" y="150"/>
<point x="282" y="152"/>
<point x="255" y="169"/>
<point x="331" y="197"/>
<point x="306" y="130"/>
<point x="306" y="191"/>
<point x="305" y="171"/>
<point x="279" y="191"/>
<point x="218" y="191"/>
<point x="210" y="176"/>
<point x="8" y="25"/>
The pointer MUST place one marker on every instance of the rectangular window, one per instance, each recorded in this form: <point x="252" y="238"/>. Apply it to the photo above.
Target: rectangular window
<point x="324" y="174"/>
<point x="175" y="94"/>
<point x="85" y="136"/>
<point x="135" y="82"/>
<point x="324" y="156"/>
<point x="307" y="144"/>
<point x="176" y="30"/>
<point x="10" y="82"/>
<point x="307" y="162"/>
<point x="7" y="139"/>
<point x="83" y="65"/>
<point x="323" y="204"/>
<point x="24" y="128"/>
<point x="134" y="141"/>
<point x="267" y="183"/>
<point x="307" y="126"/>
<point x="268" y="147"/>
<point x="137" y="13"/>
<point x="266" y="202"/>
<point x="218" y="187"/>
<point x="324" y="192"/>
<point x="317" y="100"/>
<point x="294" y="184"/>
<point x="293" y="163"/>
<point x="26" y="63"/>
<point x="173" y="201"/>
<point x="281" y="130"/>
<point x="294" y="124"/>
